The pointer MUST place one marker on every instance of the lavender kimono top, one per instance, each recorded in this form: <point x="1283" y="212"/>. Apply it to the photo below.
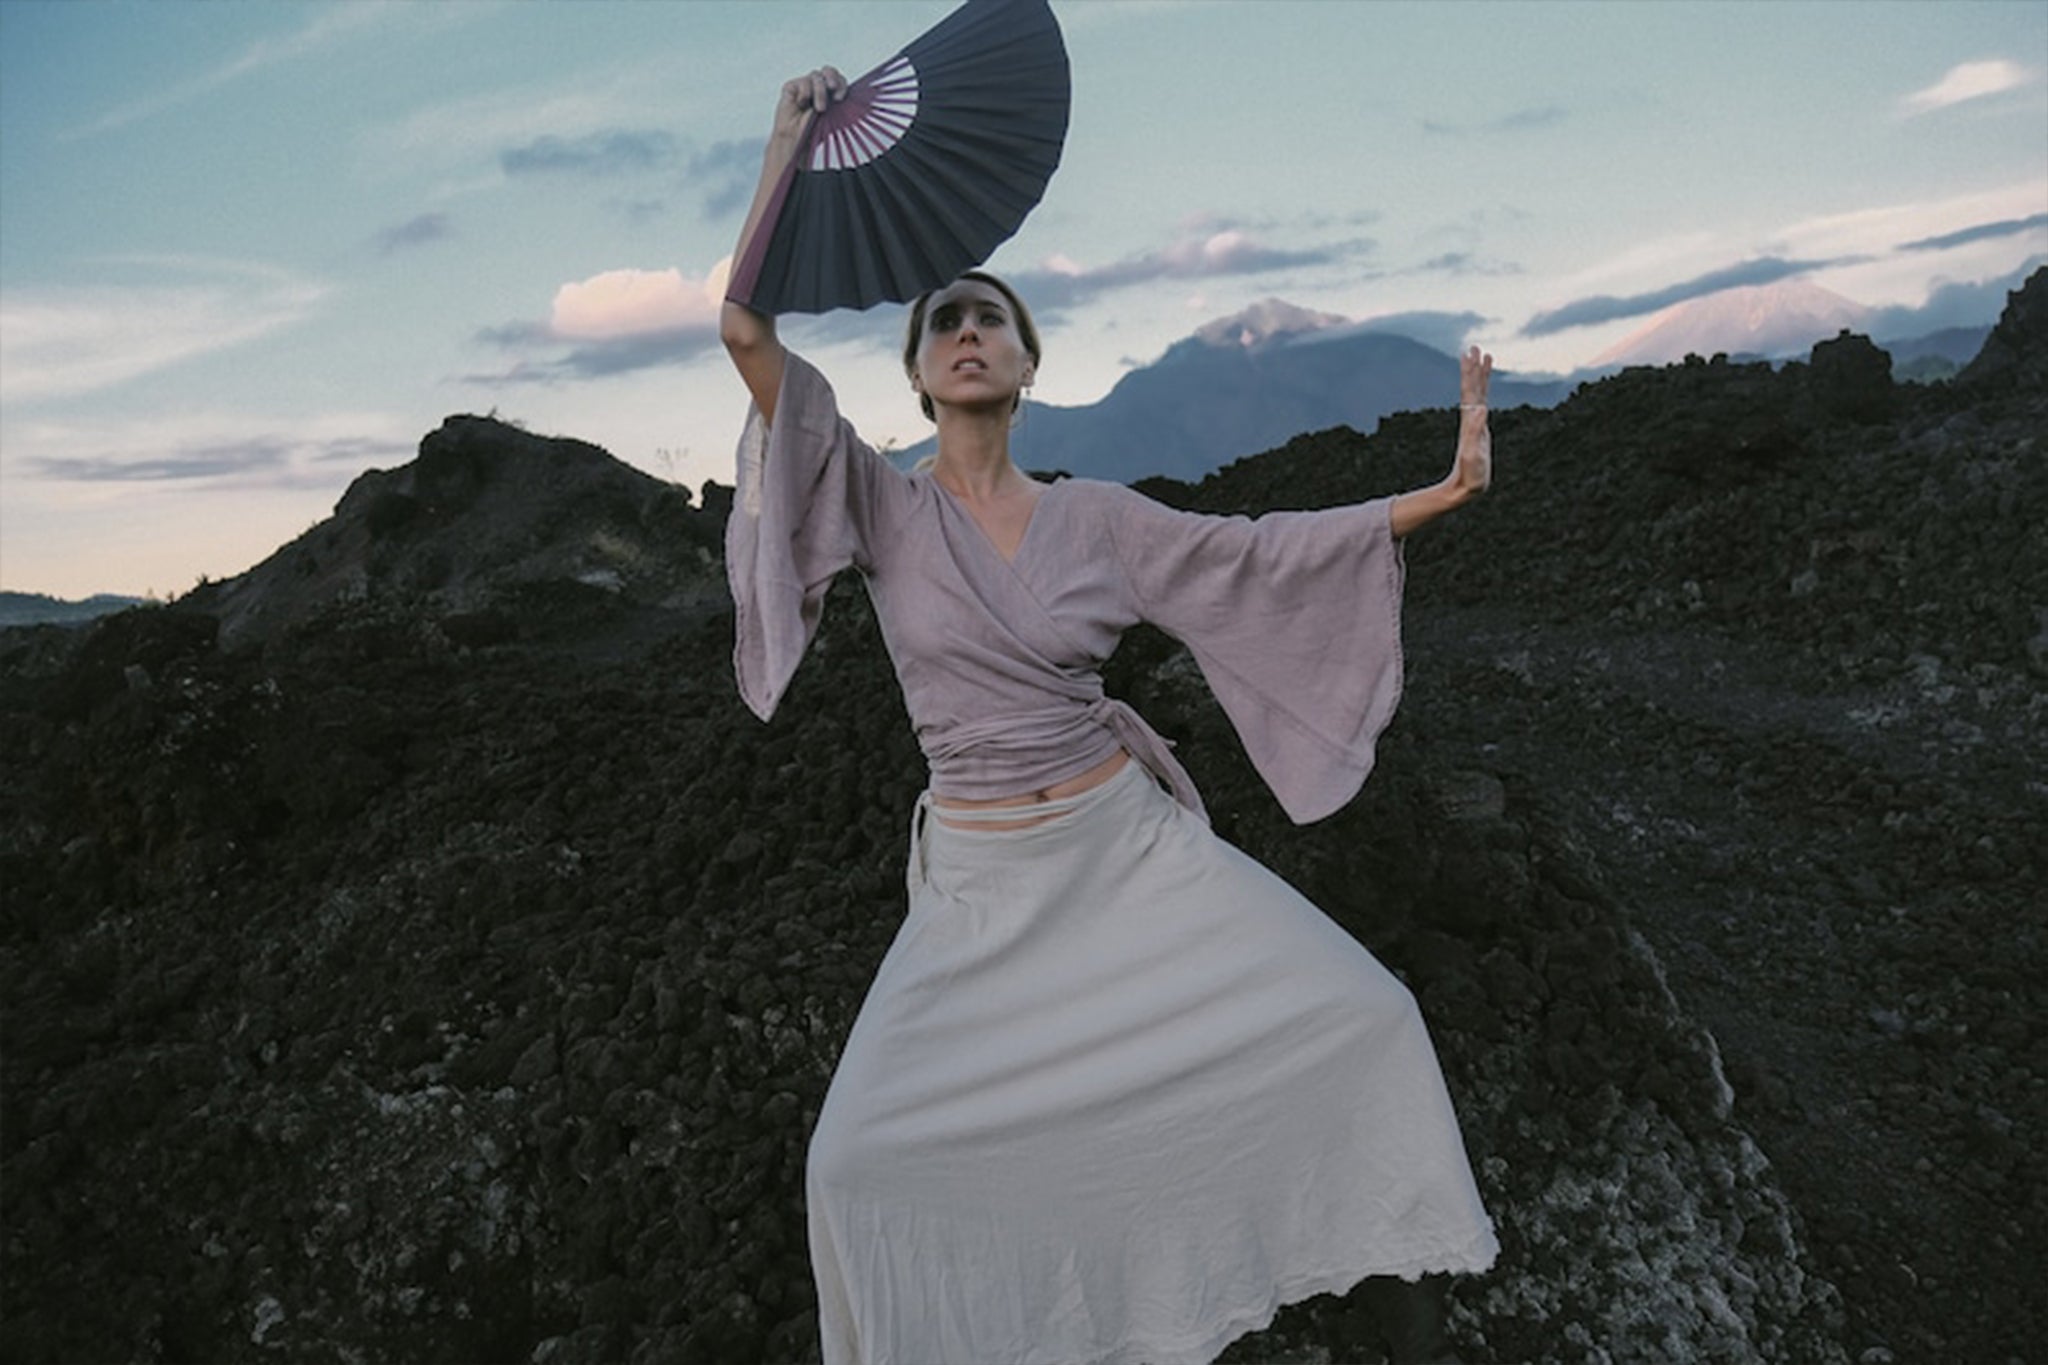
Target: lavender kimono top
<point x="1294" y="617"/>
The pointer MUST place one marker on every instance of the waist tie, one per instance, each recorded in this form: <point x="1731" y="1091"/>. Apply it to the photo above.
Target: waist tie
<point x="1153" y="751"/>
<point x="1150" y="748"/>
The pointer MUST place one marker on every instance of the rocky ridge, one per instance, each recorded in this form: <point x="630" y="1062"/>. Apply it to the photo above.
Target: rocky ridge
<point x="449" y="969"/>
<point x="486" y="512"/>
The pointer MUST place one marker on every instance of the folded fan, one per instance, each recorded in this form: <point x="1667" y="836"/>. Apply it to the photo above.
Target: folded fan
<point x="929" y="163"/>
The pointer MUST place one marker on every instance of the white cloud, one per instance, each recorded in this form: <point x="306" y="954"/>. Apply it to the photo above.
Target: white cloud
<point x="1879" y="230"/>
<point x="628" y="303"/>
<point x="61" y="342"/>
<point x="1966" y="81"/>
<point x="326" y="29"/>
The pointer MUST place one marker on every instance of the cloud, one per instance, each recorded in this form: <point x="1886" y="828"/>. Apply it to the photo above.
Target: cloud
<point x="725" y="174"/>
<point x="1514" y="121"/>
<point x="625" y="303"/>
<point x="1965" y="82"/>
<point x="607" y="152"/>
<point x="1201" y="254"/>
<point x="1463" y="264"/>
<point x="614" y="322"/>
<point x="603" y="360"/>
<point x="1444" y="332"/>
<point x="238" y="450"/>
<point x="1982" y="232"/>
<point x="58" y="343"/>
<point x="1588" y="312"/>
<point x="489" y="126"/>
<point x="327" y="28"/>
<point x="426" y="228"/>
<point x="1953" y="303"/>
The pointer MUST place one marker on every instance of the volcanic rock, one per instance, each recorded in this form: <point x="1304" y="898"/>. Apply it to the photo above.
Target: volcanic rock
<point x="414" y="950"/>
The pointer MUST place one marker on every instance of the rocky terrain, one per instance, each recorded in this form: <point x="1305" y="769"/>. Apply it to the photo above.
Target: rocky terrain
<point x="412" y="951"/>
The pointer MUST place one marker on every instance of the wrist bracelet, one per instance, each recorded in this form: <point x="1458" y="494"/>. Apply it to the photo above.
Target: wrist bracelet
<point x="1471" y="407"/>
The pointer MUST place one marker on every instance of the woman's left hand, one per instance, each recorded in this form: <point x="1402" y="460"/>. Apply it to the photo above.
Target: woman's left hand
<point x="1474" y="468"/>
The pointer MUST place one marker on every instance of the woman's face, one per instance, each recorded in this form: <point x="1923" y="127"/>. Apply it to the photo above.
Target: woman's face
<point x="971" y="353"/>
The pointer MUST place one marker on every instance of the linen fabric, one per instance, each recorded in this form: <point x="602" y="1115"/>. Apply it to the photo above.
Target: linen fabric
<point x="1294" y="617"/>
<point x="1117" y="1093"/>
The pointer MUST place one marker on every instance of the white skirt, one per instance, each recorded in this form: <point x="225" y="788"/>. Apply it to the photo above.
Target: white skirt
<point x="1117" y="1093"/>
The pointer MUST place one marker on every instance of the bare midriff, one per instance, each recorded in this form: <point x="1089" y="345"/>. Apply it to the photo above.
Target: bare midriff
<point x="1073" y="786"/>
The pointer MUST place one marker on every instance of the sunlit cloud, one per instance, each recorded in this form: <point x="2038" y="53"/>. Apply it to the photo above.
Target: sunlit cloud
<point x="1964" y="82"/>
<point x="613" y="323"/>
<point x="621" y="303"/>
<point x="61" y="342"/>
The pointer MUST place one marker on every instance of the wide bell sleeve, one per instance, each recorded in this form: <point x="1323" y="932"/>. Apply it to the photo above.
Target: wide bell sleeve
<point x="812" y="498"/>
<point x="1295" y="620"/>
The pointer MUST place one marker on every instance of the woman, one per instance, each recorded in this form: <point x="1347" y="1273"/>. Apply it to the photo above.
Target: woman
<point x="1117" y="1091"/>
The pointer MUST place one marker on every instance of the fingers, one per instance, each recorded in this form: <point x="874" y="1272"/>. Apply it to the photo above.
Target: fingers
<point x="816" y="90"/>
<point x="1475" y="375"/>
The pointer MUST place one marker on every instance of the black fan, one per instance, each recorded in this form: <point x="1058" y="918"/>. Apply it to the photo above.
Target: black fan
<point x="927" y="165"/>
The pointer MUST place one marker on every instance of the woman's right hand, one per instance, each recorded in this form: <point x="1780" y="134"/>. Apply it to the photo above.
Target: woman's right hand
<point x="749" y="336"/>
<point x="803" y="98"/>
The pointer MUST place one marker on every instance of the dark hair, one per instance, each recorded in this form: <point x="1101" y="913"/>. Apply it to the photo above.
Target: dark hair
<point x="1027" y="330"/>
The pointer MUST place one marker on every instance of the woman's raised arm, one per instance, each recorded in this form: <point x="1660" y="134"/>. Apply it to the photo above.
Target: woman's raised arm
<point x="749" y="336"/>
<point x="1473" y="469"/>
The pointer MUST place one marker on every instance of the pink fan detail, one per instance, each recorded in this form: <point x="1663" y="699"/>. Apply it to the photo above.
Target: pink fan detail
<point x="877" y="111"/>
<point x="929" y="163"/>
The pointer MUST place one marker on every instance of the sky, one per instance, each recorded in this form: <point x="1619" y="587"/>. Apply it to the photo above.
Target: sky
<point x="248" y="251"/>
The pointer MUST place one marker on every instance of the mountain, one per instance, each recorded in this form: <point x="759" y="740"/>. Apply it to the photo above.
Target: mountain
<point x="1757" y="320"/>
<point x="1245" y="383"/>
<point x="34" y="608"/>
<point x="488" y="515"/>
<point x="1937" y="355"/>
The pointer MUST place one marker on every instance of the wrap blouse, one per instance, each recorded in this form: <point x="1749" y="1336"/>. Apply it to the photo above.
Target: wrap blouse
<point x="1293" y="617"/>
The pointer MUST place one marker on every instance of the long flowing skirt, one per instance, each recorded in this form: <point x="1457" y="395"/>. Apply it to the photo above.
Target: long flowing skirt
<point x="1116" y="1094"/>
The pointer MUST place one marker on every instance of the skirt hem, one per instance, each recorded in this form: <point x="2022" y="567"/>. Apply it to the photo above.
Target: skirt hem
<point x="1475" y="1257"/>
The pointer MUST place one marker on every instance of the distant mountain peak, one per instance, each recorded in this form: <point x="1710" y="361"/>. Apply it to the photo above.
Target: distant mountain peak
<point x="1264" y="321"/>
<point x="1765" y="319"/>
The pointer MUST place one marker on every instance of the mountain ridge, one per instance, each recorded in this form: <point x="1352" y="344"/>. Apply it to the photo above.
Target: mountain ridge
<point x="1252" y="379"/>
<point x="1766" y="320"/>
